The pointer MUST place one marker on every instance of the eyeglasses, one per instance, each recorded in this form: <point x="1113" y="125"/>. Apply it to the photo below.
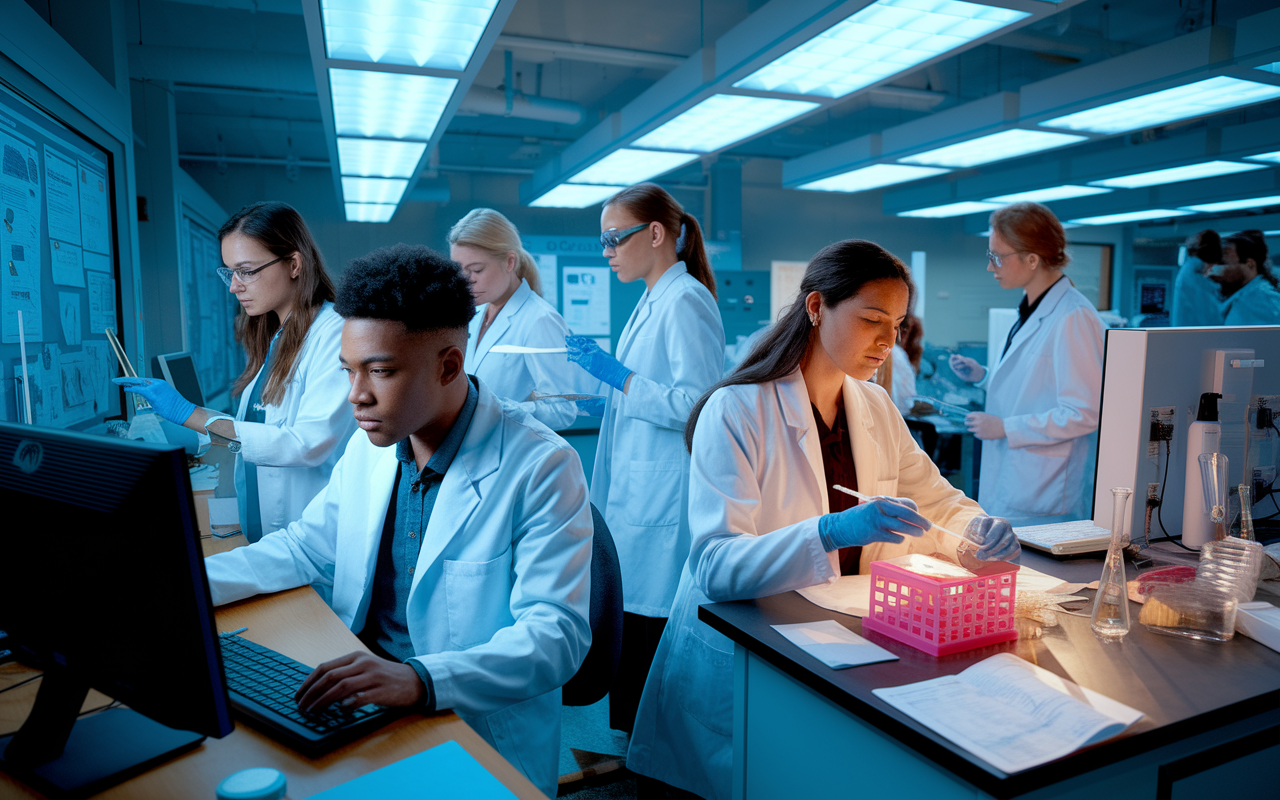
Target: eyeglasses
<point x="995" y="258"/>
<point x="246" y="276"/>
<point x="613" y="237"/>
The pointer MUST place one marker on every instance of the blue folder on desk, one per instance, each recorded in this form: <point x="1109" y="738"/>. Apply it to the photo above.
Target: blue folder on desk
<point x="444" y="772"/>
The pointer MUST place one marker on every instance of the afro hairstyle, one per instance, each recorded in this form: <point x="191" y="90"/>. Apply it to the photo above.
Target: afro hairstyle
<point x="407" y="283"/>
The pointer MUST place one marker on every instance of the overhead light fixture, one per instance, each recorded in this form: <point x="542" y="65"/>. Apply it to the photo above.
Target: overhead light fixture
<point x="628" y="166"/>
<point x="1131" y="216"/>
<point x="721" y="120"/>
<point x="872" y="177"/>
<point x="1236" y="205"/>
<point x="373" y="190"/>
<point x="378" y="158"/>
<point x="1273" y="67"/>
<point x="1190" y="172"/>
<point x="390" y="104"/>
<point x="994" y="147"/>
<point x="575" y="195"/>
<point x="1274" y="158"/>
<point x="883" y="39"/>
<point x="1197" y="99"/>
<point x="1049" y="195"/>
<point x="950" y="210"/>
<point x="441" y="34"/>
<point x="370" y="212"/>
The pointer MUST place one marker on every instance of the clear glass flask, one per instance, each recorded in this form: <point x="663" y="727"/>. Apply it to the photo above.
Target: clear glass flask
<point x="1111" y="606"/>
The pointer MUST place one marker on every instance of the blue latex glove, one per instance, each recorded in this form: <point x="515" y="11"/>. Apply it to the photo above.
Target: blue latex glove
<point x="884" y="519"/>
<point x="995" y="539"/>
<point x="162" y="397"/>
<point x="966" y="369"/>
<point x="587" y="354"/>
<point x="592" y="407"/>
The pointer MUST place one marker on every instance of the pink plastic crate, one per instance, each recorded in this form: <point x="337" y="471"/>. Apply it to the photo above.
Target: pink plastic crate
<point x="942" y="615"/>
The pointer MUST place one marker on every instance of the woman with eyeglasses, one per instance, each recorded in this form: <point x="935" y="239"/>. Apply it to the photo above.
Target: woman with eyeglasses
<point x="670" y="352"/>
<point x="1044" y="393"/>
<point x="294" y="418"/>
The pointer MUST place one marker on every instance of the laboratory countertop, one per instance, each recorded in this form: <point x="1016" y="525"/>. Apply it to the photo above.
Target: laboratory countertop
<point x="1186" y="688"/>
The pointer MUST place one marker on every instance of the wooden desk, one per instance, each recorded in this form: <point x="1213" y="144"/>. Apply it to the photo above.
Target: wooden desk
<point x="802" y="729"/>
<point x="300" y="625"/>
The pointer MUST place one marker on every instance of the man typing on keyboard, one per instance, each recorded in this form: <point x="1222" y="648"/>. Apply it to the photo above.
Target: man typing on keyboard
<point x="455" y="530"/>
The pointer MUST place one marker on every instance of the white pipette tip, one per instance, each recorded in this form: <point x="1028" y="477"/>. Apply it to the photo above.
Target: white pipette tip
<point x="868" y="498"/>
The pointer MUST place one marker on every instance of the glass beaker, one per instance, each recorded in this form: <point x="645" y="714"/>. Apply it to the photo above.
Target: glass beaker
<point x="1213" y="477"/>
<point x="1110" y="619"/>
<point x="1246" y="512"/>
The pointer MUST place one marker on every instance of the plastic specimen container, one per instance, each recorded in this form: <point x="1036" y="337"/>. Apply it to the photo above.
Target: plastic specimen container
<point x="941" y="608"/>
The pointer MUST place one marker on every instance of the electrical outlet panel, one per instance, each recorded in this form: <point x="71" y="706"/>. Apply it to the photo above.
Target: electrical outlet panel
<point x="1153" y="490"/>
<point x="1161" y="430"/>
<point x="1267" y="414"/>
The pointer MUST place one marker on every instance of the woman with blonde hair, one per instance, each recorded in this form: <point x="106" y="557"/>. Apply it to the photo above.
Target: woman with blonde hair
<point x="293" y="420"/>
<point x="510" y="310"/>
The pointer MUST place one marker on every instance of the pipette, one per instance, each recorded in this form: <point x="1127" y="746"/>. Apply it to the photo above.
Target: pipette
<point x="868" y="498"/>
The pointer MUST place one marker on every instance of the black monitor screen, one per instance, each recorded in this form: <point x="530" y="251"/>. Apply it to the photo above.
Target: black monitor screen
<point x="1152" y="300"/>
<point x="182" y="374"/>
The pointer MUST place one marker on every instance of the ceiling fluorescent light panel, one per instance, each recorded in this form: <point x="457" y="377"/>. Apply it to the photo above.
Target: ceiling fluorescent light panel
<point x="1198" y="99"/>
<point x="883" y="39"/>
<point x="1236" y="205"/>
<point x="872" y="177"/>
<point x="1049" y="195"/>
<point x="994" y="147"/>
<point x="722" y="120"/>
<point x="950" y="210"/>
<point x="389" y="104"/>
<point x="575" y="195"/>
<point x="627" y="166"/>
<point x="1274" y="158"/>
<point x="442" y="34"/>
<point x="370" y="212"/>
<point x="373" y="190"/>
<point x="1131" y="216"/>
<point x="378" y="158"/>
<point x="1190" y="172"/>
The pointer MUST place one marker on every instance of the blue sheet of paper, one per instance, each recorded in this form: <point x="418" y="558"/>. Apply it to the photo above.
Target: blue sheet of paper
<point x="444" y="772"/>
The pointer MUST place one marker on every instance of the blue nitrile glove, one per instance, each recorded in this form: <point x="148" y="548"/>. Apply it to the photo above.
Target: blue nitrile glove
<point x="591" y="407"/>
<point x="162" y="397"/>
<point x="967" y="369"/>
<point x="994" y="537"/>
<point x="587" y="354"/>
<point x="884" y="519"/>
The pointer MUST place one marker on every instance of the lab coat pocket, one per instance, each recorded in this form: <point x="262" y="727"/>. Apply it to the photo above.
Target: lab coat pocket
<point x="1040" y="474"/>
<point x="705" y="683"/>
<point x="478" y="594"/>
<point x="652" y="489"/>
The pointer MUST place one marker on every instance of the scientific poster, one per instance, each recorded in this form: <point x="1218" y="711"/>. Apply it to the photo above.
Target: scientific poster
<point x="95" y="219"/>
<point x="586" y="300"/>
<point x="68" y="270"/>
<point x="101" y="366"/>
<point x="77" y="387"/>
<point x="20" y="213"/>
<point x="62" y="197"/>
<point x="547" y="271"/>
<point x="43" y="381"/>
<point x="102" y="302"/>
<point x="69" y="315"/>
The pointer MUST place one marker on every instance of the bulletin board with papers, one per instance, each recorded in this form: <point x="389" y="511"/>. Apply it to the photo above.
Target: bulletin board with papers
<point x="58" y="266"/>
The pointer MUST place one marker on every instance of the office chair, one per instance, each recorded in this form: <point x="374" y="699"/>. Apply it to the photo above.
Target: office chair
<point x="595" y="677"/>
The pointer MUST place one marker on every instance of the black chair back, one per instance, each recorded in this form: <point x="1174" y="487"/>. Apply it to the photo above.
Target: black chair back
<point x="595" y="677"/>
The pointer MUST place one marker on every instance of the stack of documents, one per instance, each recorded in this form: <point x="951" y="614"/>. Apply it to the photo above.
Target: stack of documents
<point x="833" y="644"/>
<point x="1011" y="713"/>
<point x="1065" y="538"/>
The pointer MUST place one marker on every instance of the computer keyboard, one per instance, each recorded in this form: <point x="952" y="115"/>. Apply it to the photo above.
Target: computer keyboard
<point x="262" y="684"/>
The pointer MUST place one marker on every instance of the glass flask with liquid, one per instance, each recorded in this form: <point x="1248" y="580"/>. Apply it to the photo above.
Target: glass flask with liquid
<point x="1111" y="607"/>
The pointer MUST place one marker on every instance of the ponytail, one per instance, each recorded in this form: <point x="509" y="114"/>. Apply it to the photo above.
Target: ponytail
<point x="694" y="253"/>
<point x="652" y="203"/>
<point x="487" y="230"/>
<point x="527" y="270"/>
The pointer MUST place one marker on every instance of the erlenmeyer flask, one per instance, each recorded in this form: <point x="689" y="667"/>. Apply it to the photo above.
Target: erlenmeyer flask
<point x="1213" y="475"/>
<point x="1111" y="606"/>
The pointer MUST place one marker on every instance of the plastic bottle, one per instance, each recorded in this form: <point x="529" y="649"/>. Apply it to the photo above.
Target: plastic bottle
<point x="1203" y="436"/>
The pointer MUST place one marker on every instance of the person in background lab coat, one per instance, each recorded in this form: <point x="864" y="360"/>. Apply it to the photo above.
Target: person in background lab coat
<point x="1196" y="299"/>
<point x="293" y="419"/>
<point x="906" y="361"/>
<point x="508" y="292"/>
<point x="670" y="351"/>
<point x="1044" y="392"/>
<point x="768" y="443"/>
<point x="1247" y="281"/>
<point x="455" y="532"/>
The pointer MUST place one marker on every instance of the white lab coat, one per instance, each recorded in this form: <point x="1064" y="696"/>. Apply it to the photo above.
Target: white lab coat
<point x="1197" y="301"/>
<point x="904" y="380"/>
<point x="1256" y="303"/>
<point x="674" y="343"/>
<point x="1048" y="391"/>
<point x="757" y="490"/>
<point x="529" y="321"/>
<point x="498" y="606"/>
<point x="299" y="441"/>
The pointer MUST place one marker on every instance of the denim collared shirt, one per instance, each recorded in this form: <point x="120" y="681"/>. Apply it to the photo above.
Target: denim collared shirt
<point x="386" y="629"/>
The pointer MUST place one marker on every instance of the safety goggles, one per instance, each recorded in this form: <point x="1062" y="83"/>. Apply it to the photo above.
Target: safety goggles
<point x="613" y="237"/>
<point x="995" y="258"/>
<point x="246" y="276"/>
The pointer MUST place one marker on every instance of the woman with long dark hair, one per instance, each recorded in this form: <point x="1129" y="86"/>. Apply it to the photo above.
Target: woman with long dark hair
<point x="670" y="351"/>
<point x="1247" y="281"/>
<point x="294" y="418"/>
<point x="768" y="443"/>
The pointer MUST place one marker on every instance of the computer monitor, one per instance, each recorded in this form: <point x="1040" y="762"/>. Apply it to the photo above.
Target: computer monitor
<point x="103" y="586"/>
<point x="179" y="369"/>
